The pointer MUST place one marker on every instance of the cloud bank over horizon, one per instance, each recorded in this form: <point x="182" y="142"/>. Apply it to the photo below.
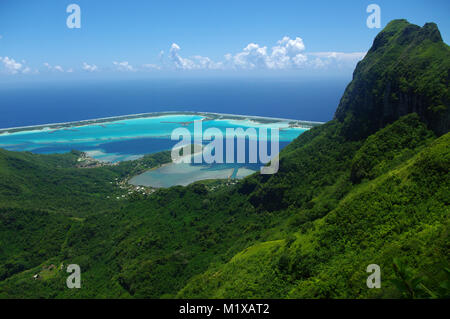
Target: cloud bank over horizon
<point x="287" y="54"/>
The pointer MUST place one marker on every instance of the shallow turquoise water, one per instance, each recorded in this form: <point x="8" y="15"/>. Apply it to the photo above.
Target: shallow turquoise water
<point x="109" y="141"/>
<point x="182" y="174"/>
<point x="130" y="139"/>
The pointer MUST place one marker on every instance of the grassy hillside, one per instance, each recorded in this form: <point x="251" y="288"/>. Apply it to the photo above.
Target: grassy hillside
<point x="355" y="191"/>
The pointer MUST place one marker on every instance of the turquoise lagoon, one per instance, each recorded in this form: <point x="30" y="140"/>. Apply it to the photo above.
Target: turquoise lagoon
<point x="125" y="138"/>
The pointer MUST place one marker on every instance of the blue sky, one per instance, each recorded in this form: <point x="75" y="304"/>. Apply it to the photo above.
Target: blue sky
<point x="157" y="37"/>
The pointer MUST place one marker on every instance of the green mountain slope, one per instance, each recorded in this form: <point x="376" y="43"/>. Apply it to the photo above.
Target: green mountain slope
<point x="406" y="70"/>
<point x="369" y="187"/>
<point x="54" y="183"/>
<point x="401" y="214"/>
<point x="51" y="183"/>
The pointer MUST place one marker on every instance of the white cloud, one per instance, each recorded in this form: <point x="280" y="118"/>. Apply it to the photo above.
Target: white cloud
<point x="11" y="66"/>
<point x="202" y="62"/>
<point x="340" y="55"/>
<point x="196" y="62"/>
<point x="56" y="68"/>
<point x="292" y="46"/>
<point x="336" y="59"/>
<point x="89" y="67"/>
<point x="288" y="53"/>
<point x="253" y="56"/>
<point x="151" y="66"/>
<point x="124" y="66"/>
<point x="26" y="70"/>
<point x="177" y="60"/>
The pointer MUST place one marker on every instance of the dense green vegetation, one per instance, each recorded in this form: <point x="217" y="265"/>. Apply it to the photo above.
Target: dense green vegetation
<point x="53" y="183"/>
<point x="349" y="193"/>
<point x="391" y="217"/>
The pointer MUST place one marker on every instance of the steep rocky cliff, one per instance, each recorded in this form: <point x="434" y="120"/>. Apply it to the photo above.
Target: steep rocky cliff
<point x="405" y="71"/>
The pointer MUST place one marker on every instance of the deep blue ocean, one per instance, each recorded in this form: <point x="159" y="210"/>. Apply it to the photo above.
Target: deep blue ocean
<point x="32" y="103"/>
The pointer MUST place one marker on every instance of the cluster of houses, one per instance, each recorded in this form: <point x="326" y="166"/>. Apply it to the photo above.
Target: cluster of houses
<point x="131" y="189"/>
<point x="85" y="161"/>
<point x="229" y="182"/>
